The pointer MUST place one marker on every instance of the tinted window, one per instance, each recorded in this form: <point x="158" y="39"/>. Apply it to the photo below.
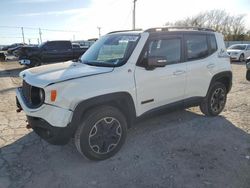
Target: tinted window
<point x="213" y="44"/>
<point x="58" y="45"/>
<point x="196" y="47"/>
<point x="49" y="46"/>
<point x="238" y="47"/>
<point x="169" y="49"/>
<point x="63" y="45"/>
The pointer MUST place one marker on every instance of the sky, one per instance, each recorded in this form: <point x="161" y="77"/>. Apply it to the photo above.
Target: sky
<point x="79" y="19"/>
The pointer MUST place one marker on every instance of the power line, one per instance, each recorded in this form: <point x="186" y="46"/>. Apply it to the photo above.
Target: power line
<point x="45" y="29"/>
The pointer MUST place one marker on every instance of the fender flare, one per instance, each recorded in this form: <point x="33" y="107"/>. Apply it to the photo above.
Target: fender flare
<point x="121" y="100"/>
<point x="225" y="77"/>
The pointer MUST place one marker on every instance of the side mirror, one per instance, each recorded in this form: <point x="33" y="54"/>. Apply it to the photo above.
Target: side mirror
<point x="153" y="62"/>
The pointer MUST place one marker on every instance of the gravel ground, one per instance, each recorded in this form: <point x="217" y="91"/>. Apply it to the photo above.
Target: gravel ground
<point x="181" y="149"/>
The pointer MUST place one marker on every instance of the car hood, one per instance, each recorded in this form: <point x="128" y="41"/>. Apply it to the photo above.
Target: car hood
<point x="48" y="74"/>
<point x="234" y="50"/>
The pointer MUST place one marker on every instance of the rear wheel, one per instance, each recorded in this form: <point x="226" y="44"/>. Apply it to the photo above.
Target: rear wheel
<point x="102" y="133"/>
<point x="215" y="101"/>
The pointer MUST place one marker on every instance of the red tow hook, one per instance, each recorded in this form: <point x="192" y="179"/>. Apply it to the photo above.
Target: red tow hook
<point x="18" y="110"/>
<point x="28" y="126"/>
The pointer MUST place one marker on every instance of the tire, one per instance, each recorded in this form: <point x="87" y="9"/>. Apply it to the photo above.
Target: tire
<point x="34" y="62"/>
<point x="102" y="133"/>
<point x="215" y="101"/>
<point x="242" y="58"/>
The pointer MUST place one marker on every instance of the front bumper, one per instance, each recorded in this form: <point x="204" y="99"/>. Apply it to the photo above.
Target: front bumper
<point x="56" y="116"/>
<point x="53" y="135"/>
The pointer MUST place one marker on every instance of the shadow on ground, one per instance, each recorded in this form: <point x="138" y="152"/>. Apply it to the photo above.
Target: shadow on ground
<point x="178" y="149"/>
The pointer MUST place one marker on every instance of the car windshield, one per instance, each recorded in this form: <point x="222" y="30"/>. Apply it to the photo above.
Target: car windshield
<point x="238" y="47"/>
<point x="111" y="50"/>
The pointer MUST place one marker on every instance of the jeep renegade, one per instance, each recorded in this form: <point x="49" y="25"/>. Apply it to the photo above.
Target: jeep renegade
<point x="124" y="75"/>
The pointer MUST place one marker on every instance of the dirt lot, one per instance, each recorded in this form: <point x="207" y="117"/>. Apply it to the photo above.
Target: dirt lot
<point x="182" y="149"/>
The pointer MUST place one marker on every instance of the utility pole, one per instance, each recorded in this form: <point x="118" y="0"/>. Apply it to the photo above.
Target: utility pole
<point x="99" y="31"/>
<point x="23" y="35"/>
<point x="134" y="1"/>
<point x="40" y="34"/>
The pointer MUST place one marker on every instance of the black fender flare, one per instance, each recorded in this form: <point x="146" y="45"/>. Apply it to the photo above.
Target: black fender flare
<point x="225" y="77"/>
<point x="122" y="100"/>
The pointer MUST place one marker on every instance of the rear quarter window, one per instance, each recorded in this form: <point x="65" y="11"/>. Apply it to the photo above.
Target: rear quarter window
<point x="213" y="44"/>
<point x="196" y="47"/>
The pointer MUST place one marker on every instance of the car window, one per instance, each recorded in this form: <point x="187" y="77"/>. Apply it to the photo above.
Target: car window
<point x="169" y="49"/>
<point x="213" y="44"/>
<point x="248" y="47"/>
<point x="196" y="47"/>
<point x="50" y="46"/>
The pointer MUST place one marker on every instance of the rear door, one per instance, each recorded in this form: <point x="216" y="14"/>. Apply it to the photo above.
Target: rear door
<point x="201" y="61"/>
<point x="64" y="51"/>
<point x="162" y="85"/>
<point x="56" y="51"/>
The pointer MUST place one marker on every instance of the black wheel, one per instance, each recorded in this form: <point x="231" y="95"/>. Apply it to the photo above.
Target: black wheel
<point x="102" y="133"/>
<point x="34" y="62"/>
<point x="242" y="58"/>
<point x="215" y="101"/>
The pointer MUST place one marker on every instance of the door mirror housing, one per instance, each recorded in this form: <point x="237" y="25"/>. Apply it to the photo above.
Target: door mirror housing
<point x="153" y="62"/>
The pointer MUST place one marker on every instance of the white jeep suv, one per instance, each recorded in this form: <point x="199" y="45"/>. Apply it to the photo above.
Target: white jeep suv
<point x="124" y="75"/>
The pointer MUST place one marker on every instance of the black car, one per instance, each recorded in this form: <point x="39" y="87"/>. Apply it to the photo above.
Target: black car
<point x="248" y="68"/>
<point x="49" y="52"/>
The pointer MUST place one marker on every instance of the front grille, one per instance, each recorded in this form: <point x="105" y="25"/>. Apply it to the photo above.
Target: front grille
<point x="31" y="95"/>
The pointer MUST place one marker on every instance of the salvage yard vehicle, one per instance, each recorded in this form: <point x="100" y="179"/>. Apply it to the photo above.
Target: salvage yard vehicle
<point x="123" y="76"/>
<point x="49" y="52"/>
<point x="248" y="68"/>
<point x="239" y="52"/>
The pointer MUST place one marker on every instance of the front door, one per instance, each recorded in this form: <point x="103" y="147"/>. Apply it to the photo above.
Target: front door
<point x="162" y="85"/>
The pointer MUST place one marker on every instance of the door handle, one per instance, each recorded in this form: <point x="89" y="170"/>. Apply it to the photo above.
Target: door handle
<point x="178" y="72"/>
<point x="210" y="66"/>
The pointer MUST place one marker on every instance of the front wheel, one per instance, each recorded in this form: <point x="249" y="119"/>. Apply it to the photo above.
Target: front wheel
<point x="215" y="101"/>
<point x="102" y="133"/>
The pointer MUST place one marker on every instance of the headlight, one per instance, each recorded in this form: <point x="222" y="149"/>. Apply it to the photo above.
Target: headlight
<point x="37" y="96"/>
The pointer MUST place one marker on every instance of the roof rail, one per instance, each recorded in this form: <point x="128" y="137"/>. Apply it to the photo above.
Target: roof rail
<point x="125" y="30"/>
<point x="180" y="28"/>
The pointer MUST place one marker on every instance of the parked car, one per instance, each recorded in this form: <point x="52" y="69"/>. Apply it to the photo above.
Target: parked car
<point x="239" y="52"/>
<point x="2" y="56"/>
<point x="248" y="68"/>
<point x="49" y="52"/>
<point x="123" y="76"/>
